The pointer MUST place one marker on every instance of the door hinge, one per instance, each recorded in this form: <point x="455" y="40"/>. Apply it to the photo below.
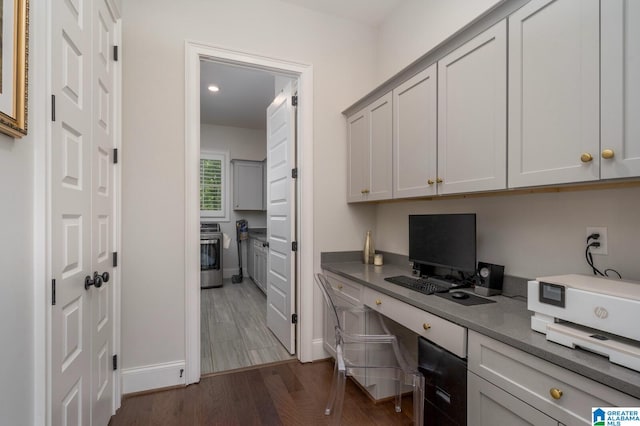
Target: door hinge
<point x="115" y="53"/>
<point x="115" y="155"/>
<point x="294" y="100"/>
<point x="294" y="318"/>
<point x="294" y="246"/>
<point x="53" y="107"/>
<point x="115" y="362"/>
<point x="53" y="292"/>
<point x="294" y="173"/>
<point x="115" y="259"/>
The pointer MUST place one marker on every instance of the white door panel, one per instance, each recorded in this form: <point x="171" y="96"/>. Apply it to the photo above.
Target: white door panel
<point x="71" y="214"/>
<point x="280" y="279"/>
<point x="82" y="206"/>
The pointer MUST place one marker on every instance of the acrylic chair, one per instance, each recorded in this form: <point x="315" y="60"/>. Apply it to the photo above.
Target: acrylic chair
<point x="393" y="366"/>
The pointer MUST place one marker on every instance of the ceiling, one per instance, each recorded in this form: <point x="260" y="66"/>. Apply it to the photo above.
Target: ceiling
<point x="242" y="100"/>
<point x="245" y="93"/>
<point x="370" y="12"/>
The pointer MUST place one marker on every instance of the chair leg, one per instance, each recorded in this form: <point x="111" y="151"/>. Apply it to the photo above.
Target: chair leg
<point x="332" y="390"/>
<point x="398" y="399"/>
<point x="418" y="399"/>
<point x="339" y="397"/>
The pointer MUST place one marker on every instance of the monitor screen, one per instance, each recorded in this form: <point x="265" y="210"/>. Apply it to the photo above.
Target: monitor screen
<point x="445" y="240"/>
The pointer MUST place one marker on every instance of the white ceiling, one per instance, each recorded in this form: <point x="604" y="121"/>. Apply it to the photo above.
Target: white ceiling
<point x="370" y="12"/>
<point x="242" y="100"/>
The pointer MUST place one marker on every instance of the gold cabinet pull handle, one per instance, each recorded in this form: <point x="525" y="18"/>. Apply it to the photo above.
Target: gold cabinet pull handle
<point x="430" y="182"/>
<point x="586" y="157"/>
<point x="607" y="154"/>
<point x="365" y="191"/>
<point x="439" y="180"/>
<point x="378" y="302"/>
<point x="555" y="393"/>
<point x="426" y="326"/>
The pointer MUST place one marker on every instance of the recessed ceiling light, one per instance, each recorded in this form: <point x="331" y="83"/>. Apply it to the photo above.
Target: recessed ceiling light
<point x="213" y="88"/>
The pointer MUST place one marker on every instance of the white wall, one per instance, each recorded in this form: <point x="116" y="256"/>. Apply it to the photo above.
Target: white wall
<point x="242" y="144"/>
<point x="16" y="282"/>
<point x="417" y="26"/>
<point x="534" y="234"/>
<point x="154" y="32"/>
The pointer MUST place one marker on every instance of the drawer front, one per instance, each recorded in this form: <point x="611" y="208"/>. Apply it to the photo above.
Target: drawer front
<point x="347" y="289"/>
<point x="450" y="336"/>
<point x="532" y="380"/>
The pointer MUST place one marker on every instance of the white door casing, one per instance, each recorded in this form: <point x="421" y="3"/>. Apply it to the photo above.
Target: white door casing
<point x="281" y="218"/>
<point x="82" y="216"/>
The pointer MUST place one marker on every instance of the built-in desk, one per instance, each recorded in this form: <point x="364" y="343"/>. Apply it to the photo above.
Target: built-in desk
<point x="506" y="321"/>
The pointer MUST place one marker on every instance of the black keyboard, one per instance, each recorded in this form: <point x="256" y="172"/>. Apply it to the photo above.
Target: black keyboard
<point x="419" y="284"/>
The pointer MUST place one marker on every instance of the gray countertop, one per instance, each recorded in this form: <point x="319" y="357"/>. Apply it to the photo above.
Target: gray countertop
<point x="507" y="321"/>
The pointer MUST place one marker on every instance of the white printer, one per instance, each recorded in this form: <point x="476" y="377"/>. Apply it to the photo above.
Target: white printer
<point x="597" y="314"/>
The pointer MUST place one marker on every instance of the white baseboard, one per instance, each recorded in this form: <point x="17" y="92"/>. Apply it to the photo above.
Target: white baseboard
<point x="317" y="349"/>
<point x="155" y="376"/>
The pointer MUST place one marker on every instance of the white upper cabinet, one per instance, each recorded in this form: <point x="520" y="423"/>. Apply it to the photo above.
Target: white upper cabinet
<point x="370" y="152"/>
<point x="554" y="93"/>
<point x="620" y="96"/>
<point x="248" y="185"/>
<point x="415" y="135"/>
<point x="472" y="114"/>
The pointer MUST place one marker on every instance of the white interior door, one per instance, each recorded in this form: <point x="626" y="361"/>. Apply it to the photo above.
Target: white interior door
<point x="82" y="221"/>
<point x="280" y="218"/>
<point x="102" y="208"/>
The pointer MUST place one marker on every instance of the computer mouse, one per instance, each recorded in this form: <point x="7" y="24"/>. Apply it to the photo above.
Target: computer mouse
<point x="459" y="295"/>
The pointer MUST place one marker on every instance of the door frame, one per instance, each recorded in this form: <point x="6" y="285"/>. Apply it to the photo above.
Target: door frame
<point x="303" y="73"/>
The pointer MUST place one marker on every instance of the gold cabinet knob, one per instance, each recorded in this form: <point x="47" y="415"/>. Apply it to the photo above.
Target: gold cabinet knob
<point x="439" y="180"/>
<point x="365" y="191"/>
<point x="339" y="286"/>
<point x="607" y="154"/>
<point x="426" y="326"/>
<point x="430" y="182"/>
<point x="555" y="393"/>
<point x="378" y="302"/>
<point x="586" y="157"/>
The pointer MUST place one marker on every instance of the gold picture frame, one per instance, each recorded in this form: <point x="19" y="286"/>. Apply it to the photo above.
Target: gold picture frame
<point x="14" y="53"/>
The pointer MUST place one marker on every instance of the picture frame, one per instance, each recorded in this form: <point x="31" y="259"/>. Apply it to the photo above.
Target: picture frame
<point x="14" y="53"/>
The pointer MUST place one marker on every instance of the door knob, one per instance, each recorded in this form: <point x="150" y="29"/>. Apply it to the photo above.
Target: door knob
<point x="96" y="281"/>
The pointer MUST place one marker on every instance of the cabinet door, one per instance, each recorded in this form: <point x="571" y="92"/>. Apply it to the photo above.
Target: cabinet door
<point x="380" y="123"/>
<point x="620" y="91"/>
<point x="489" y="405"/>
<point x="358" y="153"/>
<point x="472" y="115"/>
<point x="370" y="150"/>
<point x="247" y="185"/>
<point x="250" y="258"/>
<point x="415" y="136"/>
<point x="554" y="63"/>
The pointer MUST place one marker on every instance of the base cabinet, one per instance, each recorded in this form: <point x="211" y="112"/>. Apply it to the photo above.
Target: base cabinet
<point x="257" y="263"/>
<point x="488" y="405"/>
<point x="560" y="394"/>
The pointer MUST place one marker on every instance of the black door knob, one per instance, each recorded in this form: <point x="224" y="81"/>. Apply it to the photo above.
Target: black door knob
<point x="96" y="281"/>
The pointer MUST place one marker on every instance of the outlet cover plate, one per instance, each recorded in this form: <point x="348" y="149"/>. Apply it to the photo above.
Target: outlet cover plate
<point x="602" y="230"/>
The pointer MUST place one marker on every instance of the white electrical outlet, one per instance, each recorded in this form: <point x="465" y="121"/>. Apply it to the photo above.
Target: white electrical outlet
<point x="602" y="230"/>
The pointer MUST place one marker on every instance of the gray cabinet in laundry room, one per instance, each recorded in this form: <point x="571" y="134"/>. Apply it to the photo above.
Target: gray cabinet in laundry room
<point x="248" y="185"/>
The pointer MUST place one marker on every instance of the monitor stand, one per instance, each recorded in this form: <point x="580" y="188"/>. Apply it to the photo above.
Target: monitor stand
<point x="421" y="270"/>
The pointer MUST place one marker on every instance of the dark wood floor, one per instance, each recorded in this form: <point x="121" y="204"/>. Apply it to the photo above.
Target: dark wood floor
<point x="289" y="393"/>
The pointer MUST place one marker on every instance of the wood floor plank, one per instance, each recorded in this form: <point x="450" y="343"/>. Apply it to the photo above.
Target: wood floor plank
<point x="287" y="394"/>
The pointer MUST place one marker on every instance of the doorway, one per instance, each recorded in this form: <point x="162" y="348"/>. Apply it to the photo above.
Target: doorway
<point x="304" y="265"/>
<point x="236" y="331"/>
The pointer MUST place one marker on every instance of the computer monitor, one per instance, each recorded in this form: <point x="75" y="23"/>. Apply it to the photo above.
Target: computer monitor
<point x="443" y="240"/>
